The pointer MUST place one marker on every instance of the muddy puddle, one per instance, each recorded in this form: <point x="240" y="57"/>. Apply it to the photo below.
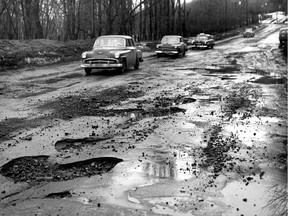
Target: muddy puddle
<point x="37" y="169"/>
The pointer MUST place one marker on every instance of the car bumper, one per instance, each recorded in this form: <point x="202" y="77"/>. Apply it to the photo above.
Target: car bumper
<point x="199" y="45"/>
<point x="101" y="64"/>
<point x="167" y="52"/>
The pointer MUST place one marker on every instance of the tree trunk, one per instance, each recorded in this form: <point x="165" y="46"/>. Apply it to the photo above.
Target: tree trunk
<point x="100" y="17"/>
<point x="173" y="16"/>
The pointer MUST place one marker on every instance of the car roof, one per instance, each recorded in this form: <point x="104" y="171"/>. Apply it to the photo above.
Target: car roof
<point x="203" y="34"/>
<point x="122" y="36"/>
<point x="172" y="36"/>
<point x="286" y="28"/>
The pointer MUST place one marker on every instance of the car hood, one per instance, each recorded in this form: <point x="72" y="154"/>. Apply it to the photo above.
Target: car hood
<point x="105" y="52"/>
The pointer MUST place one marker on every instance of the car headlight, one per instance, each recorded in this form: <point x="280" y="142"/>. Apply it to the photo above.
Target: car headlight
<point x="84" y="55"/>
<point x="158" y="46"/>
<point x="117" y="55"/>
<point x="175" y="47"/>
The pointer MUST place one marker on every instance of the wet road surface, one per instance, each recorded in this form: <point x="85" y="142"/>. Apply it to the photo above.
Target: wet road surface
<point x="204" y="134"/>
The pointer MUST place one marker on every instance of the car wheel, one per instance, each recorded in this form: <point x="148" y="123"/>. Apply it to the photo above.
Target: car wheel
<point x="211" y="46"/>
<point x="124" y="67"/>
<point x="88" y="71"/>
<point x="136" y="66"/>
<point x="184" y="53"/>
<point x="158" y="55"/>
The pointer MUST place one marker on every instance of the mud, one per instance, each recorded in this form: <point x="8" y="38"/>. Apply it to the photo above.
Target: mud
<point x="215" y="154"/>
<point x="36" y="169"/>
<point x="242" y="100"/>
<point x="10" y="125"/>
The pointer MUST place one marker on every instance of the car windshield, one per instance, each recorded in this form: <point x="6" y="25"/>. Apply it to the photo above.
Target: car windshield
<point x="170" y="40"/>
<point x="109" y="42"/>
<point x="249" y="30"/>
<point x="202" y="37"/>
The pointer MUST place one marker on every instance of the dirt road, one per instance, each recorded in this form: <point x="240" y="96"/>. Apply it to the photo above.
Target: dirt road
<point x="204" y="134"/>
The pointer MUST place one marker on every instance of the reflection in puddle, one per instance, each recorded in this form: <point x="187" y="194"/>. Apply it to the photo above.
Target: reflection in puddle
<point x="245" y="200"/>
<point x="179" y="168"/>
<point x="129" y="176"/>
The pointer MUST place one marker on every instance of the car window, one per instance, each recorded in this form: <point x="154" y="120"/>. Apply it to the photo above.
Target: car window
<point x="132" y="42"/>
<point x="170" y="40"/>
<point x="129" y="42"/>
<point x="109" y="42"/>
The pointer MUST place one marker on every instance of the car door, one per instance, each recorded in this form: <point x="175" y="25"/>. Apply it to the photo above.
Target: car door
<point x="182" y="48"/>
<point x="131" y="55"/>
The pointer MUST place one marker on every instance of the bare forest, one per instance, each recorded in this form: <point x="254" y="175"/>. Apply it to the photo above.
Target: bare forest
<point x="145" y="19"/>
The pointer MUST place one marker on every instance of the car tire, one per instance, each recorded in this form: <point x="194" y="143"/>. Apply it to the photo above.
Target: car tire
<point x="137" y="63"/>
<point x="184" y="53"/>
<point x="211" y="46"/>
<point x="88" y="71"/>
<point x="158" y="55"/>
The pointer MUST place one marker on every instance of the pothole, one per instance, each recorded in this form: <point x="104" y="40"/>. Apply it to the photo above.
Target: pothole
<point x="223" y="69"/>
<point x="271" y="80"/>
<point x="71" y="107"/>
<point x="34" y="169"/>
<point x="77" y="143"/>
<point x="59" y="195"/>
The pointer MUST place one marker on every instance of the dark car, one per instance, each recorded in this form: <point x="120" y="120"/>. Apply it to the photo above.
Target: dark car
<point x="171" y="45"/>
<point x="283" y="38"/>
<point x="203" y="40"/>
<point x="112" y="52"/>
<point x="248" y="33"/>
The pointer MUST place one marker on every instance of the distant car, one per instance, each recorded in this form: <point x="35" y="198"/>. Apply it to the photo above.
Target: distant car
<point x="248" y="33"/>
<point x="283" y="37"/>
<point x="203" y="40"/>
<point x="112" y="52"/>
<point x="171" y="45"/>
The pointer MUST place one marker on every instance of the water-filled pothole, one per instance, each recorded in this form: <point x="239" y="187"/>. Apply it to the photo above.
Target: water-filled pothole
<point x="33" y="169"/>
<point x="271" y="80"/>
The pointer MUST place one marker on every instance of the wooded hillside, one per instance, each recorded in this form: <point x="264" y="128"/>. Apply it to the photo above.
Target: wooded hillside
<point x="145" y="19"/>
